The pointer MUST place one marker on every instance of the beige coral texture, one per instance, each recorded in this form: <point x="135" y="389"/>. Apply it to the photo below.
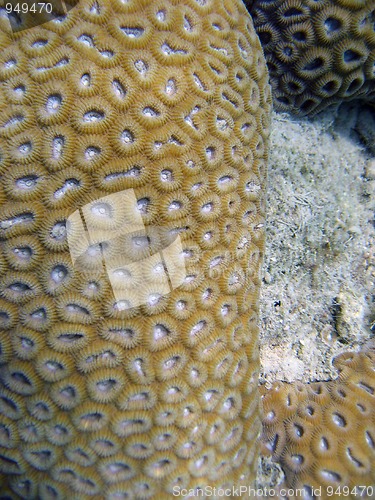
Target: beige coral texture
<point x="116" y="384"/>
<point x="323" y="433"/>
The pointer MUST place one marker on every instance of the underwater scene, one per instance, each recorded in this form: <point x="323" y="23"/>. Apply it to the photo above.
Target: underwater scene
<point x="187" y="249"/>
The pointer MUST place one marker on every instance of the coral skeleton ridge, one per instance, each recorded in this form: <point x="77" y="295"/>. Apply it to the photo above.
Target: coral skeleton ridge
<point x="133" y="145"/>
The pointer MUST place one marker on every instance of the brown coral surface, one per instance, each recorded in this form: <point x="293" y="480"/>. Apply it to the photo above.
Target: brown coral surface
<point x="323" y="433"/>
<point x="319" y="53"/>
<point x="133" y="144"/>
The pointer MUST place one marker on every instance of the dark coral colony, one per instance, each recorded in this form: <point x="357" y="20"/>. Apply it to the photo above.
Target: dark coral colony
<point x="133" y="155"/>
<point x="318" y="52"/>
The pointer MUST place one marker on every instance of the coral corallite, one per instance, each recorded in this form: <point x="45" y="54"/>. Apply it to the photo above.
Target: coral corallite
<point x="133" y="139"/>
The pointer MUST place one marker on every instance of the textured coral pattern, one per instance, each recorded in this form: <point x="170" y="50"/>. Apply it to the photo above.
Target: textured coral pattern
<point x="323" y="433"/>
<point x="117" y="383"/>
<point x="318" y="52"/>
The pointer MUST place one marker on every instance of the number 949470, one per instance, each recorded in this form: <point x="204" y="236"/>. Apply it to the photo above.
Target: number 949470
<point x="24" y="8"/>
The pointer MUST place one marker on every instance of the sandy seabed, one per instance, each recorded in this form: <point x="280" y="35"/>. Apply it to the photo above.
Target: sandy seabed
<point x="319" y="272"/>
<point x="317" y="298"/>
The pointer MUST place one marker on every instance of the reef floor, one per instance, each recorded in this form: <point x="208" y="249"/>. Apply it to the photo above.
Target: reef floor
<point x="317" y="296"/>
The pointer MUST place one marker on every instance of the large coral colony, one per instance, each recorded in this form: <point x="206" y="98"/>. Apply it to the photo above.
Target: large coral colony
<point x="133" y="151"/>
<point x="133" y="160"/>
